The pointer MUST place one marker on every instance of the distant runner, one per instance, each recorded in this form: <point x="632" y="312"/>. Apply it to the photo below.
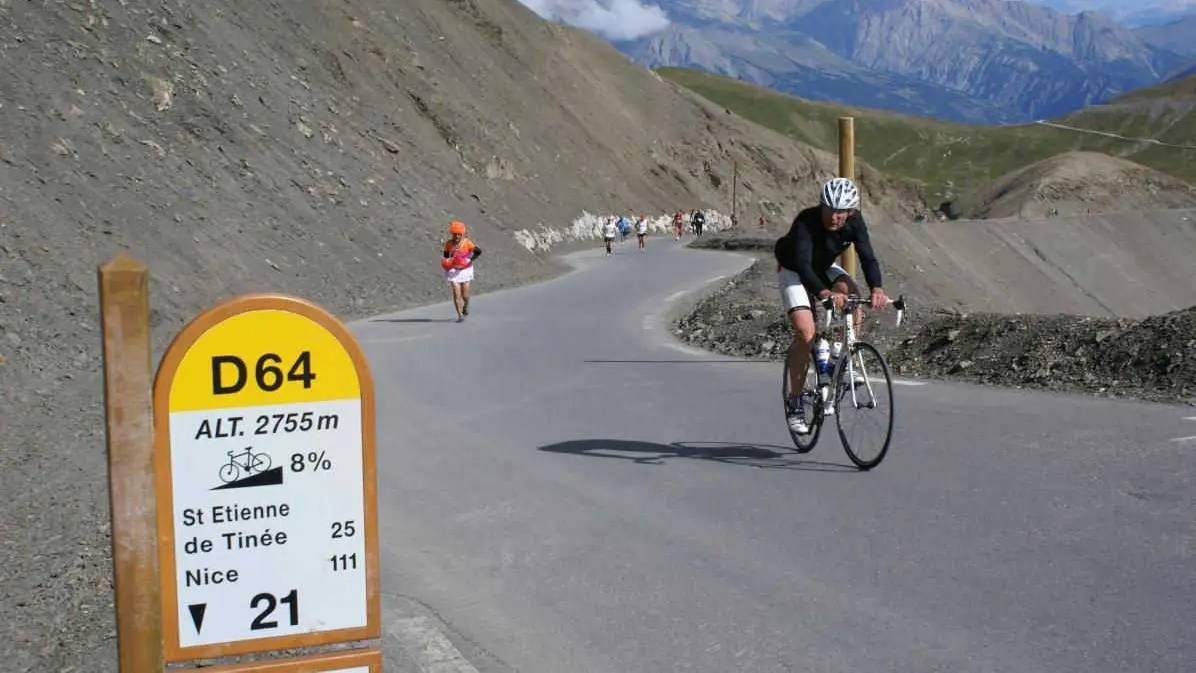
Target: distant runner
<point x="641" y="231"/>
<point x="459" y="254"/>
<point x="609" y="231"/>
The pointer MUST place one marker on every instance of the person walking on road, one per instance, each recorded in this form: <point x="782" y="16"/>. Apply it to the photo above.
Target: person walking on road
<point x="641" y="231"/>
<point x="459" y="255"/>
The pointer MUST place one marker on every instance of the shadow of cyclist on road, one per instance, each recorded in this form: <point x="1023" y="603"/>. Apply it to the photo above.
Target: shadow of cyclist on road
<point x="763" y="456"/>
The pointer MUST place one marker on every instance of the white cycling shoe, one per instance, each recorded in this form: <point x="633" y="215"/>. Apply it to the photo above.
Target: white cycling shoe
<point x="797" y="417"/>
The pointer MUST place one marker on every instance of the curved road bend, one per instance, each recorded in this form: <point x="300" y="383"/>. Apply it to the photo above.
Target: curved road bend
<point x="569" y="491"/>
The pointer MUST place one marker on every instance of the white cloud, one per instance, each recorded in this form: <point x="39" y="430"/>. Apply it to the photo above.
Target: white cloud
<point x="612" y="19"/>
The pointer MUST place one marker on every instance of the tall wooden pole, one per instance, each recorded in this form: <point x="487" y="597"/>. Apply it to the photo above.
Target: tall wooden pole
<point x="128" y="381"/>
<point x="734" y="193"/>
<point x="847" y="170"/>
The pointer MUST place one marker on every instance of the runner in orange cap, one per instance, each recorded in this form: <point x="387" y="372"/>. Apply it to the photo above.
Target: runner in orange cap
<point x="459" y="253"/>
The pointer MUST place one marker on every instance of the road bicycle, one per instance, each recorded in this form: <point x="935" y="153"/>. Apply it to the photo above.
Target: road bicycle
<point x="858" y="379"/>
<point x="250" y="462"/>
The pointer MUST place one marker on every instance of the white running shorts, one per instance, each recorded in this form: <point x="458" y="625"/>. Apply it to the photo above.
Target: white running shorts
<point x="459" y="275"/>
<point x="793" y="293"/>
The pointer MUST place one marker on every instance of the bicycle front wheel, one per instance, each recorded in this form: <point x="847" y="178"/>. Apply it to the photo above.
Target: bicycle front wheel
<point x="261" y="462"/>
<point x="864" y="405"/>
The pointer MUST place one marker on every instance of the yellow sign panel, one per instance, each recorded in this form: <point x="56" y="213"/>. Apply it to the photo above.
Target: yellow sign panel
<point x="265" y="466"/>
<point x="263" y="357"/>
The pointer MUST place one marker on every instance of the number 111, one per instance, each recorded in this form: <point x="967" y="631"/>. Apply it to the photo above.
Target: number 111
<point x="344" y="562"/>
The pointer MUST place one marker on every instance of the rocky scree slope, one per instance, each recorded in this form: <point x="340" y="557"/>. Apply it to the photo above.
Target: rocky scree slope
<point x="311" y="147"/>
<point x="1152" y="358"/>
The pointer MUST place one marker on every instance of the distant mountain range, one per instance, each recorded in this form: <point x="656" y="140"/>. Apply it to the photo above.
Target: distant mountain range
<point x="977" y="61"/>
<point x="1132" y="13"/>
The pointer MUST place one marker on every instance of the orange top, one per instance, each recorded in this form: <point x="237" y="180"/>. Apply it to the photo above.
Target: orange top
<point x="461" y="253"/>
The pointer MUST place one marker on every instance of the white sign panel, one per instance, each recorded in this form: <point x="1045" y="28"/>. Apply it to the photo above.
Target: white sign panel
<point x="265" y="467"/>
<point x="269" y="515"/>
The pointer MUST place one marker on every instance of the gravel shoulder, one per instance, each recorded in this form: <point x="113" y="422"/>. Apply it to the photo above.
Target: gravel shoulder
<point x="1152" y="358"/>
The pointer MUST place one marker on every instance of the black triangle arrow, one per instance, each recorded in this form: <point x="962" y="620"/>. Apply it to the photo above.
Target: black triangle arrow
<point x="197" y="611"/>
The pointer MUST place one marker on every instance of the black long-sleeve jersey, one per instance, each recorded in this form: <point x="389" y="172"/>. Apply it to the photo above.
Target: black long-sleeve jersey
<point x="809" y="249"/>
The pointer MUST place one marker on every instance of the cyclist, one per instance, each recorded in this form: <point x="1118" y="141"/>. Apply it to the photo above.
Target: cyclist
<point x="459" y="253"/>
<point x="806" y="269"/>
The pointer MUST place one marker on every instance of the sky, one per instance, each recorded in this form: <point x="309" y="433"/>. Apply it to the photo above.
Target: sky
<point x="612" y="19"/>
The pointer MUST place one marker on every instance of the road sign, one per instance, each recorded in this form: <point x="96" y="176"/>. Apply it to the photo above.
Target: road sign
<point x="354" y="661"/>
<point x="266" y="494"/>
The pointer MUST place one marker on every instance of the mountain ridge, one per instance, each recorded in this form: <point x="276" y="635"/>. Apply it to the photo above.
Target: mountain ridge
<point x="972" y="61"/>
<point x="1152" y="126"/>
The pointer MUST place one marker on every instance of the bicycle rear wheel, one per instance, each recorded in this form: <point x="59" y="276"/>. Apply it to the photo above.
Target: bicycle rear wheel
<point x="811" y="406"/>
<point x="864" y="393"/>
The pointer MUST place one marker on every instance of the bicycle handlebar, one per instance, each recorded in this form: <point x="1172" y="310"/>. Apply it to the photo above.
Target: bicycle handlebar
<point x="855" y="300"/>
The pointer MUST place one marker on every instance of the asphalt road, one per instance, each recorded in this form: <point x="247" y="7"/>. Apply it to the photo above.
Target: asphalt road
<point x="564" y="488"/>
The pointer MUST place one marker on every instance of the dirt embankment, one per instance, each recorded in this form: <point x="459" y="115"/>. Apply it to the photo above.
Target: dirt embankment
<point x="1109" y="264"/>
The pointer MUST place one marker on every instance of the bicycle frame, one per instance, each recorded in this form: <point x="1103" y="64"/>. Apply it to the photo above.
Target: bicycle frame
<point x="246" y="455"/>
<point x="848" y="331"/>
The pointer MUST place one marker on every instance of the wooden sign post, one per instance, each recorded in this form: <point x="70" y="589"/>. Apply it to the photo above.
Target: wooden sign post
<point x="244" y="508"/>
<point x="124" y="323"/>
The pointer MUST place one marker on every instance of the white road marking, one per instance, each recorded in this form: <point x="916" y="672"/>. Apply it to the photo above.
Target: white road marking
<point x="1190" y="418"/>
<point x="1184" y="439"/>
<point x="905" y="382"/>
<point x="651" y="319"/>
<point x="688" y="350"/>
<point x="431" y="650"/>
<point x="715" y="279"/>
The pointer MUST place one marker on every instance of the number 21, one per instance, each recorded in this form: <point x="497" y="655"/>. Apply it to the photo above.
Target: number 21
<point x="291" y="600"/>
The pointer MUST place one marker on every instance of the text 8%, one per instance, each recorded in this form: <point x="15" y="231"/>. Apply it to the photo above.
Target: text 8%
<point x="316" y="460"/>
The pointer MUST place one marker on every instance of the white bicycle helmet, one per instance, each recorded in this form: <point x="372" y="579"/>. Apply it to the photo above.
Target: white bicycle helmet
<point x="840" y="194"/>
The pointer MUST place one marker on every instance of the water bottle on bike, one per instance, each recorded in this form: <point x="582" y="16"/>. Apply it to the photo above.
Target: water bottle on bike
<point x="822" y="357"/>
